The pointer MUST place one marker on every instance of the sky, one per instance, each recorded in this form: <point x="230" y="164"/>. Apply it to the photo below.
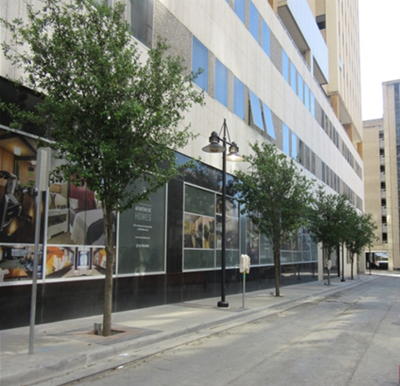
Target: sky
<point x="380" y="51"/>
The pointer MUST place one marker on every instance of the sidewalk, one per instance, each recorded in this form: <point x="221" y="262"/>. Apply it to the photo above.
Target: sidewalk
<point x="68" y="350"/>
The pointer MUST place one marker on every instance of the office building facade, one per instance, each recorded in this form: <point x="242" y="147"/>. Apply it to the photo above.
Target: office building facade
<point x="382" y="175"/>
<point x="266" y="70"/>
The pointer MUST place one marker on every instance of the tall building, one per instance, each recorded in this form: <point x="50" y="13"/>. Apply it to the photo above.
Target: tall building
<point x="273" y="71"/>
<point x="382" y="175"/>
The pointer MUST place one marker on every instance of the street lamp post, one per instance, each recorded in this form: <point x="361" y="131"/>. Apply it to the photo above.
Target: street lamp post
<point x="215" y="147"/>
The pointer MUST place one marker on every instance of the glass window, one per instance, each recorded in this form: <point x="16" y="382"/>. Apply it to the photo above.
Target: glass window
<point x="269" y="121"/>
<point x="256" y="111"/>
<point x="293" y="77"/>
<point x="238" y="98"/>
<point x="286" y="140"/>
<point x="300" y="87"/>
<point x="221" y="83"/>
<point x="306" y="96"/>
<point x="200" y="61"/>
<point x="240" y="6"/>
<point x="199" y="201"/>
<point x="140" y="14"/>
<point x="294" y="146"/>
<point x="253" y="26"/>
<point x="141" y="246"/>
<point x="285" y="66"/>
<point x="265" y="37"/>
<point x="312" y="104"/>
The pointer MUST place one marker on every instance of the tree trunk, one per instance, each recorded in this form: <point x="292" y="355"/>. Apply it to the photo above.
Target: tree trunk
<point x="277" y="258"/>
<point x="108" y="282"/>
<point x="352" y="265"/>
<point x="338" y="260"/>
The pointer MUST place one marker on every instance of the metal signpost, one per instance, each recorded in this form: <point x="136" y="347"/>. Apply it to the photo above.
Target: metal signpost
<point x="42" y="182"/>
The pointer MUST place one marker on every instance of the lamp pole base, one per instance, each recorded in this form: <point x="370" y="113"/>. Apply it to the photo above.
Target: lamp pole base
<point x="223" y="304"/>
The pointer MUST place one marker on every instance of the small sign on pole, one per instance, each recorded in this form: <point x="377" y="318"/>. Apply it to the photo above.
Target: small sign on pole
<point x="244" y="268"/>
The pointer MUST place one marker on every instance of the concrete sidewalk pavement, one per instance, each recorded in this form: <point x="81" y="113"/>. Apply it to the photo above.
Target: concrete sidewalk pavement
<point x="68" y="350"/>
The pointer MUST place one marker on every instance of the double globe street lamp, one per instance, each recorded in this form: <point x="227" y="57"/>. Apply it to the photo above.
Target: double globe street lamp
<point x="216" y="147"/>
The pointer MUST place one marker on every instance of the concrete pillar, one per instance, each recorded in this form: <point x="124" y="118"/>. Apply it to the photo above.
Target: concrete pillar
<point x="274" y="5"/>
<point x="334" y="99"/>
<point x="349" y="130"/>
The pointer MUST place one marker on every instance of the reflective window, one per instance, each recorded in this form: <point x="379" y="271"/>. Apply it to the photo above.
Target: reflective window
<point x="221" y="83"/>
<point x="294" y="146"/>
<point x="200" y="61"/>
<point x="285" y="66"/>
<point x="265" y="38"/>
<point x="300" y="87"/>
<point x="312" y="104"/>
<point x="140" y="19"/>
<point x="306" y="96"/>
<point x="256" y="111"/>
<point x="240" y="9"/>
<point x="286" y="140"/>
<point x="293" y="77"/>
<point x="268" y="121"/>
<point x="202" y="230"/>
<point x="253" y="26"/>
<point x="238" y="98"/>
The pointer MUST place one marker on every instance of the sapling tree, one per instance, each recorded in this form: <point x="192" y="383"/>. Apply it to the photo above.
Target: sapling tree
<point x="326" y="222"/>
<point x="275" y="195"/>
<point x="114" y="114"/>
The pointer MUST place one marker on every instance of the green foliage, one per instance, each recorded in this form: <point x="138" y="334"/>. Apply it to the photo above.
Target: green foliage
<point x="361" y="233"/>
<point x="333" y="221"/>
<point x="276" y="196"/>
<point x="113" y="116"/>
<point x="328" y="219"/>
<point x="275" y="193"/>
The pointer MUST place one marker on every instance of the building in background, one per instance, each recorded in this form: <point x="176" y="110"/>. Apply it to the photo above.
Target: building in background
<point x="276" y="73"/>
<point x="382" y="176"/>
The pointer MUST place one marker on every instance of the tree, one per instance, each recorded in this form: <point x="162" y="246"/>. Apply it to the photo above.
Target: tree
<point x="114" y="116"/>
<point x="276" y="196"/>
<point x="361" y="234"/>
<point x="326" y="222"/>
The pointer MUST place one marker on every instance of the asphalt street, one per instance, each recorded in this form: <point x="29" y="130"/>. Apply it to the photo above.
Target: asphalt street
<point x="348" y="338"/>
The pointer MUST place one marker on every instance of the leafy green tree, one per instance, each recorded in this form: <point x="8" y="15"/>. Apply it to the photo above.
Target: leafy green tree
<point x="276" y="196"/>
<point x="361" y="234"/>
<point x="114" y="115"/>
<point x="327" y="222"/>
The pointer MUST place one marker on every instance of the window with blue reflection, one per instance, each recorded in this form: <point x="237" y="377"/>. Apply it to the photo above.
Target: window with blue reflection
<point x="293" y="77"/>
<point x="269" y="121"/>
<point x="300" y="86"/>
<point x="240" y="6"/>
<point x="306" y="96"/>
<point x="200" y="60"/>
<point x="286" y="139"/>
<point x="221" y="83"/>
<point x="285" y="66"/>
<point x="238" y="98"/>
<point x="312" y="104"/>
<point x="256" y="110"/>
<point x="253" y="25"/>
<point x="265" y="37"/>
<point x="294" y="146"/>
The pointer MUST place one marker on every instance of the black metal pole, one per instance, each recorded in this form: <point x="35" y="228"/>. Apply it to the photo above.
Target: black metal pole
<point x="223" y="303"/>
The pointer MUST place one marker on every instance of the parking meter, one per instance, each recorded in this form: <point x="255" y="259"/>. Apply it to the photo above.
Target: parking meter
<point x="244" y="268"/>
<point x="244" y="264"/>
